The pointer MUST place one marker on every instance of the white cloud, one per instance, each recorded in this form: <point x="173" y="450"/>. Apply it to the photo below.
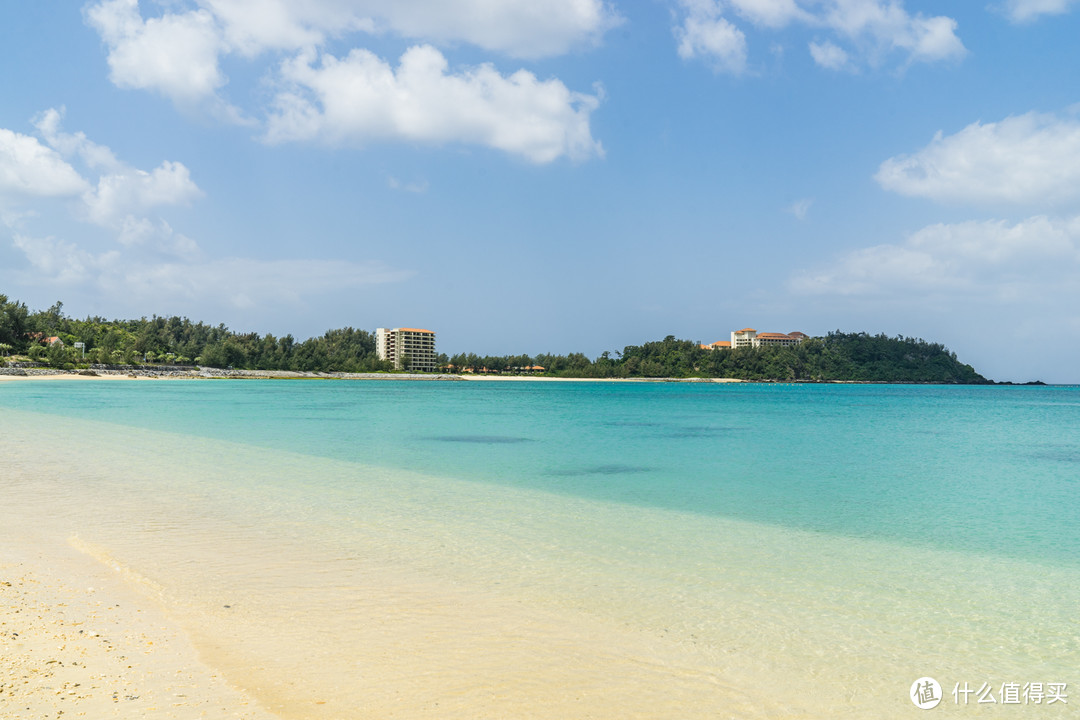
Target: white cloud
<point x="518" y="28"/>
<point x="800" y="208"/>
<point x="992" y="260"/>
<point x="419" y="188"/>
<point x="771" y="13"/>
<point x="29" y="168"/>
<point x="150" y="258"/>
<point x="121" y="190"/>
<point x="931" y="39"/>
<point x="58" y="261"/>
<point x="136" y="232"/>
<point x="706" y="34"/>
<point x="68" y="144"/>
<point x="238" y="282"/>
<point x="243" y="282"/>
<point x="1021" y="11"/>
<point x="1029" y="159"/>
<point x="179" y="55"/>
<point x="175" y="54"/>
<point x="251" y="27"/>
<point x="118" y="202"/>
<point x="873" y="28"/>
<point x="885" y="25"/>
<point x="361" y="99"/>
<point x="128" y="190"/>
<point x="829" y="55"/>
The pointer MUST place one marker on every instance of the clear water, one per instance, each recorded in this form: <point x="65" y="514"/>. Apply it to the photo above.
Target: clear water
<point x="696" y="549"/>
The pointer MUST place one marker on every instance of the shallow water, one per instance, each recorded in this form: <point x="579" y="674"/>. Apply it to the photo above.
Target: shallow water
<point x="573" y="550"/>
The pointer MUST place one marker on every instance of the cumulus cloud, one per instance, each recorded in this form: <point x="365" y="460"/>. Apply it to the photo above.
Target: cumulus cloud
<point x="73" y="144"/>
<point x="175" y="54"/>
<point x="149" y="259"/>
<point x="149" y="53"/>
<point x="129" y="190"/>
<point x="31" y="172"/>
<point x="1021" y="11"/>
<point x="770" y="13"/>
<point x="992" y="259"/>
<point x="829" y="55"/>
<point x="706" y="34"/>
<point x="518" y="28"/>
<point x="237" y="282"/>
<point x="873" y="29"/>
<point x="179" y="54"/>
<point x="120" y="189"/>
<point x="59" y="261"/>
<point x="28" y="168"/>
<point x="143" y="232"/>
<point x="1029" y="159"/>
<point x="361" y="98"/>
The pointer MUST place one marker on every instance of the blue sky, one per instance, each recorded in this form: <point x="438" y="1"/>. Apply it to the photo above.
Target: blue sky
<point x="573" y="175"/>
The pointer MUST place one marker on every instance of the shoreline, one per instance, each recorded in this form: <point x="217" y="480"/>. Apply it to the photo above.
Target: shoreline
<point x="16" y="374"/>
<point x="10" y="374"/>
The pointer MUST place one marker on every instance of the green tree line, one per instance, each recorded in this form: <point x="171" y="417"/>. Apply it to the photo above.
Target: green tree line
<point x="838" y="356"/>
<point x="177" y="341"/>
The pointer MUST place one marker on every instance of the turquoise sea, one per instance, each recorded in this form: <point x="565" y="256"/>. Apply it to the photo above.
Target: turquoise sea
<point x="579" y="549"/>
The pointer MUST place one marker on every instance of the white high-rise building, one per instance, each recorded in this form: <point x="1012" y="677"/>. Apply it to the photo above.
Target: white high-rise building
<point x="407" y="348"/>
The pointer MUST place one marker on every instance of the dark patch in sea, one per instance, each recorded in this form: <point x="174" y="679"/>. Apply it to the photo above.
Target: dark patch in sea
<point x="1064" y="456"/>
<point x="699" y="431"/>
<point x="482" y="439"/>
<point x="612" y="469"/>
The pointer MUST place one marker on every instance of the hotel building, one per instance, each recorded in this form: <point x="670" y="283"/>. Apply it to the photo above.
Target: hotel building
<point x="749" y="337"/>
<point x="400" y="343"/>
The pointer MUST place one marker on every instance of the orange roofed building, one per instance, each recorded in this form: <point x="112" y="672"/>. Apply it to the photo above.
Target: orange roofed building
<point x="413" y="345"/>
<point x="749" y="337"/>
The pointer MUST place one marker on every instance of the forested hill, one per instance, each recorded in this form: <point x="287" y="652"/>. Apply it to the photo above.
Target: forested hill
<point x="836" y="357"/>
<point x="178" y="341"/>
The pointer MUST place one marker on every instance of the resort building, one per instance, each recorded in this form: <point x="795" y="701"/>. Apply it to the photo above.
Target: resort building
<point x="749" y="337"/>
<point x="718" y="345"/>
<point x="407" y="348"/>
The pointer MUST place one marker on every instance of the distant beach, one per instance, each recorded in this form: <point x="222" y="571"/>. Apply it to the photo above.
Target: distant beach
<point x="148" y="373"/>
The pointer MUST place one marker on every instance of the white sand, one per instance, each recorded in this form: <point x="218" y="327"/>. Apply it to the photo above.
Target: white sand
<point x="77" y="641"/>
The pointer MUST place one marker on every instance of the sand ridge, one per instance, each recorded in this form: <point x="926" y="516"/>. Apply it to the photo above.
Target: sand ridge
<point x="75" y="641"/>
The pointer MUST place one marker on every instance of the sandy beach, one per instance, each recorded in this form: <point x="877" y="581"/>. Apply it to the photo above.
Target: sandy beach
<point x="161" y="563"/>
<point x="85" y="634"/>
<point x="78" y="641"/>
